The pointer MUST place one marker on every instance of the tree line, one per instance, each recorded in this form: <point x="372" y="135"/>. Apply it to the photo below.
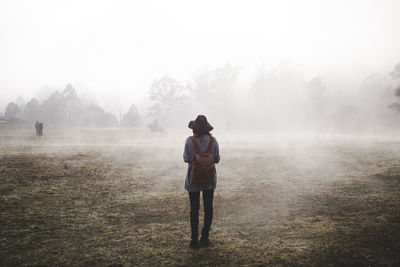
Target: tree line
<point x="278" y="99"/>
<point x="66" y="109"/>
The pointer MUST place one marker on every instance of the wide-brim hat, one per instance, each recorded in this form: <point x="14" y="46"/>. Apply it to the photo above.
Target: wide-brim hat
<point x="200" y="125"/>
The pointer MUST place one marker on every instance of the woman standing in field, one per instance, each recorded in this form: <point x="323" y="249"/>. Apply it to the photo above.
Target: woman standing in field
<point x="201" y="153"/>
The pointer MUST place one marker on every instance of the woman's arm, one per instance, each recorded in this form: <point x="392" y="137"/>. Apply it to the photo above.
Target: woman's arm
<point x="186" y="154"/>
<point x="216" y="151"/>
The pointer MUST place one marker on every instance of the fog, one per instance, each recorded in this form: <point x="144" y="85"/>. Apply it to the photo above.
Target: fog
<point x="279" y="66"/>
<point x="304" y="98"/>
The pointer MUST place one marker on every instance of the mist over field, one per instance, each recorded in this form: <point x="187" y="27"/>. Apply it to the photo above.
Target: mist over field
<point x="304" y="98"/>
<point x="276" y="66"/>
<point x="279" y="100"/>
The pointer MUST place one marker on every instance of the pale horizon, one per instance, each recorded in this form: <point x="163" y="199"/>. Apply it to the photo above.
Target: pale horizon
<point x="115" y="49"/>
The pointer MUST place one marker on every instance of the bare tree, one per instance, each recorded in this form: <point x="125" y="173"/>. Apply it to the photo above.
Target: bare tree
<point x="66" y="109"/>
<point x="277" y="96"/>
<point x="213" y="92"/>
<point x="396" y="76"/>
<point x="32" y="110"/>
<point x="396" y="72"/>
<point x="20" y="102"/>
<point x="131" y="118"/>
<point x="316" y="103"/>
<point x="169" y="98"/>
<point x="13" y="111"/>
<point x="215" y="83"/>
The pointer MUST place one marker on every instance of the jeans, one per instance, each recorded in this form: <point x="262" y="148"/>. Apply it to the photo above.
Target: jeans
<point x="194" y="197"/>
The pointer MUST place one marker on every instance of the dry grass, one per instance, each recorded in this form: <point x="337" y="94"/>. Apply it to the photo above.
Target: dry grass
<point x="325" y="203"/>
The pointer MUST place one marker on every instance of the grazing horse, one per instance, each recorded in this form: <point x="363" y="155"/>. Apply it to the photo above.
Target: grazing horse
<point x="155" y="128"/>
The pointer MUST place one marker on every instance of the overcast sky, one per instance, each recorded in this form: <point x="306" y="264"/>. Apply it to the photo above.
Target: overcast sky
<point x="115" y="49"/>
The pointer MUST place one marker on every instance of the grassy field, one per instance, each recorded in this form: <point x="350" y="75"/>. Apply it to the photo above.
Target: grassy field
<point x="112" y="197"/>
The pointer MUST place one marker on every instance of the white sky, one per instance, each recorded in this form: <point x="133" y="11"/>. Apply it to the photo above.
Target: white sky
<point x="115" y="49"/>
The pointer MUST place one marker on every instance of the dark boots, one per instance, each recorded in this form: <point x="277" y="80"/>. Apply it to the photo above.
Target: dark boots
<point x="194" y="217"/>
<point x="204" y="241"/>
<point x="194" y="242"/>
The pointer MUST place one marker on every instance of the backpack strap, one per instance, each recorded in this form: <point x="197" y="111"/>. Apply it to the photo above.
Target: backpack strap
<point x="209" y="145"/>
<point x="196" y="147"/>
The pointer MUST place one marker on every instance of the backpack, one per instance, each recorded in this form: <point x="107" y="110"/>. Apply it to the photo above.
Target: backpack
<point x="203" y="165"/>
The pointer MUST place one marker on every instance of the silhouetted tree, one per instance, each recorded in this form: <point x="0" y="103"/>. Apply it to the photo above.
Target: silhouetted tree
<point x="12" y="111"/>
<point x="66" y="109"/>
<point x="32" y="111"/>
<point x="72" y="106"/>
<point x="170" y="100"/>
<point x="396" y="76"/>
<point x="396" y="72"/>
<point x="316" y="103"/>
<point x="277" y="96"/>
<point x="346" y="119"/>
<point x="376" y="88"/>
<point x="260" y="84"/>
<point x="95" y="116"/>
<point x="214" y="84"/>
<point x="53" y="109"/>
<point x="20" y="102"/>
<point x="131" y="118"/>
<point x="213" y="92"/>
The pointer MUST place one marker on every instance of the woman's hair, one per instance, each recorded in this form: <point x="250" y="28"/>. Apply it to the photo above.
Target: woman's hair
<point x="198" y="135"/>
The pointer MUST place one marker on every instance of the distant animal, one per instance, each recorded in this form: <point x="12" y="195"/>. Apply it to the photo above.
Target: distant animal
<point x="155" y="128"/>
<point x="39" y="128"/>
